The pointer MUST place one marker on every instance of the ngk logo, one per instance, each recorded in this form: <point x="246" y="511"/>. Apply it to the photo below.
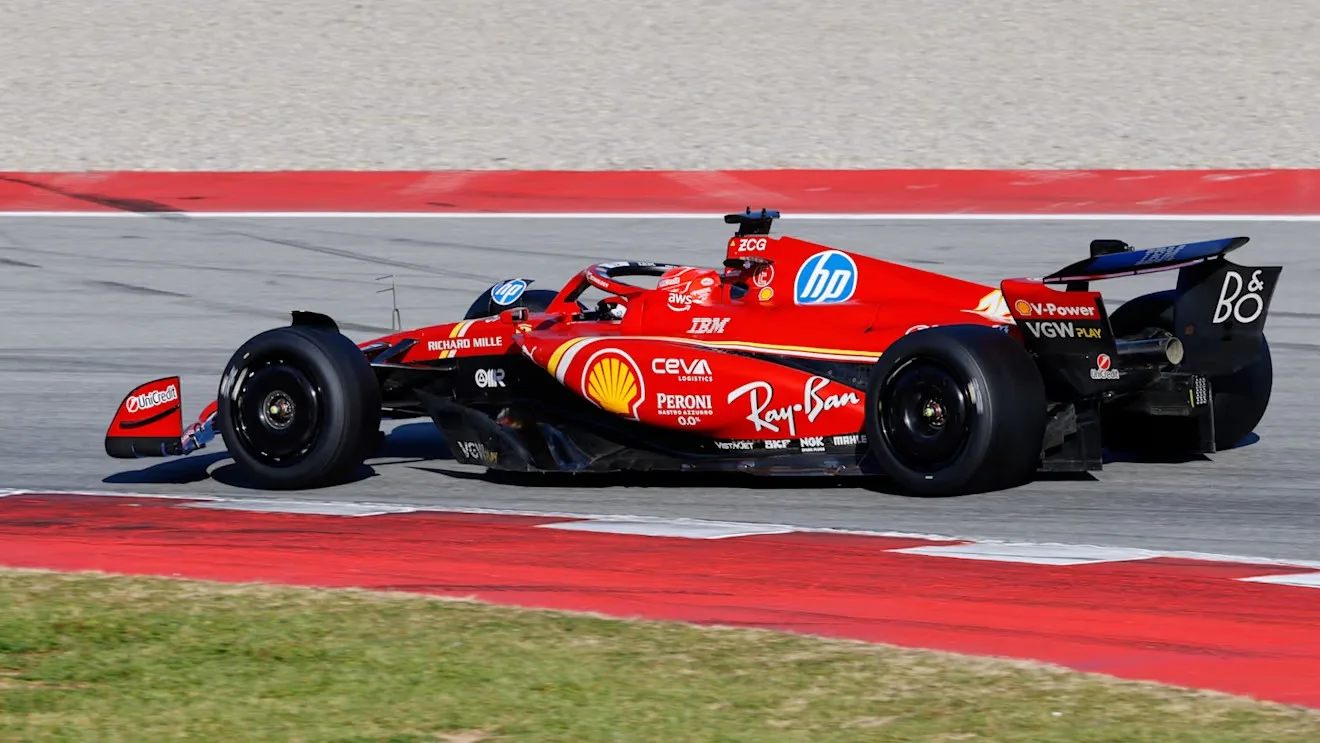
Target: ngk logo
<point x="149" y="400"/>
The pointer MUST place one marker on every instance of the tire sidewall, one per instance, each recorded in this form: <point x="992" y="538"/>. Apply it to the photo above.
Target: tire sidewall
<point x="348" y="405"/>
<point x="1006" y="408"/>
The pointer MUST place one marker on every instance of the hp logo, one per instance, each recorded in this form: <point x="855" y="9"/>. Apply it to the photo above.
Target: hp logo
<point x="507" y="292"/>
<point x="827" y="277"/>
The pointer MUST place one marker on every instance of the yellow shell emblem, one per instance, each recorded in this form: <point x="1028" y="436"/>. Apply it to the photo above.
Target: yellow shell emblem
<point x="613" y="382"/>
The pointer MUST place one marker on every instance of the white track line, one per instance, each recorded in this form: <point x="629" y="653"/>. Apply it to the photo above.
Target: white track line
<point x="1033" y="553"/>
<point x="790" y="216"/>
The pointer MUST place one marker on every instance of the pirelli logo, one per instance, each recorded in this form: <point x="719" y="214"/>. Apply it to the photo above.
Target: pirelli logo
<point x="1063" y="329"/>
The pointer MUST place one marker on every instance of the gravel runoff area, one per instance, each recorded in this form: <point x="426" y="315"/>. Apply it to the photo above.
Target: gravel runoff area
<point x="661" y="84"/>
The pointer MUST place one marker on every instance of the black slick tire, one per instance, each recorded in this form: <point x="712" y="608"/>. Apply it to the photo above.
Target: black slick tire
<point x="955" y="410"/>
<point x="1240" y="398"/>
<point x="299" y="407"/>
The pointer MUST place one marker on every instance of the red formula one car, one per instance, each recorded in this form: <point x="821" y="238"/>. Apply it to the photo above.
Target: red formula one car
<point x="793" y="358"/>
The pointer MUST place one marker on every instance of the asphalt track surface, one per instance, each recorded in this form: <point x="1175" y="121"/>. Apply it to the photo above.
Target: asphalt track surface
<point x="94" y="306"/>
<point x="668" y="84"/>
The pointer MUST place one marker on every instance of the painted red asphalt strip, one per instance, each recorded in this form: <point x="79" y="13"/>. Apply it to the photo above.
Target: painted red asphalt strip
<point x="1162" y="620"/>
<point x="1281" y="192"/>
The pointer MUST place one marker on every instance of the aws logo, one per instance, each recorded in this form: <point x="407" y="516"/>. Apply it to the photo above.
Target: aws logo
<point x="613" y="380"/>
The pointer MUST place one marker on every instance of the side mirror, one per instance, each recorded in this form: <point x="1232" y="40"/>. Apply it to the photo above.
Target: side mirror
<point x="515" y="315"/>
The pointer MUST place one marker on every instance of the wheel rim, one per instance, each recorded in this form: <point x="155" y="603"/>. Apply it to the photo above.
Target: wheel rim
<point x="276" y="413"/>
<point x="924" y="415"/>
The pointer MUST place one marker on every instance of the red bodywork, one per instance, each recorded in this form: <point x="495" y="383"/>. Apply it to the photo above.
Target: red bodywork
<point x="669" y="362"/>
<point x="702" y="367"/>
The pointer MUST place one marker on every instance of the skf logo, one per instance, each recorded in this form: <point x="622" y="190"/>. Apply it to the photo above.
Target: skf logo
<point x="612" y="380"/>
<point x="1054" y="329"/>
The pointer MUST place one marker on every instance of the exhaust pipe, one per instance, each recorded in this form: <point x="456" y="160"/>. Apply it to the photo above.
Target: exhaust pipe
<point x="1167" y="349"/>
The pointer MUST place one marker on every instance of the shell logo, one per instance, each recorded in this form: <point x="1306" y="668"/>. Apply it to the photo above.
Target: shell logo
<point x="1023" y="307"/>
<point x="612" y="380"/>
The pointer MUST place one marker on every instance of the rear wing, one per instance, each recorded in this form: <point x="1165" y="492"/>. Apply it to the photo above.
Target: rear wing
<point x="1113" y="258"/>
<point x="1217" y="316"/>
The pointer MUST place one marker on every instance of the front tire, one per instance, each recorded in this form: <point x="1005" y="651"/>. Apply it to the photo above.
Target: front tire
<point x="955" y="410"/>
<point x="299" y="407"/>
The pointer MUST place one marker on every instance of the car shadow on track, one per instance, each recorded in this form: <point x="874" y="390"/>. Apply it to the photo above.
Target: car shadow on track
<point x="181" y="471"/>
<point x="706" y="480"/>
<point x="420" y="447"/>
<point x="405" y="444"/>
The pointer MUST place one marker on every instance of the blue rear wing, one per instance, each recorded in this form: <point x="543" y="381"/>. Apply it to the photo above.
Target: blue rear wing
<point x="1133" y="262"/>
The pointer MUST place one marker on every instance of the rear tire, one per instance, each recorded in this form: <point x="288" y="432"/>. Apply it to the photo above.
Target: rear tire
<point x="954" y="410"/>
<point x="1240" y="398"/>
<point x="299" y="407"/>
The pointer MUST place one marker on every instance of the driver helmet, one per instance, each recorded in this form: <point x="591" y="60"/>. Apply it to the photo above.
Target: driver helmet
<point x="688" y="285"/>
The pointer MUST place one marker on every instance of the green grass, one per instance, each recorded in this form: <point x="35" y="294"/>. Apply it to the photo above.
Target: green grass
<point x="96" y="658"/>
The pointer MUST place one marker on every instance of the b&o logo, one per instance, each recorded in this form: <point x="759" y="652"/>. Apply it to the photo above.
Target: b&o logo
<point x="1234" y="303"/>
<point x="828" y="277"/>
<point x="506" y="293"/>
